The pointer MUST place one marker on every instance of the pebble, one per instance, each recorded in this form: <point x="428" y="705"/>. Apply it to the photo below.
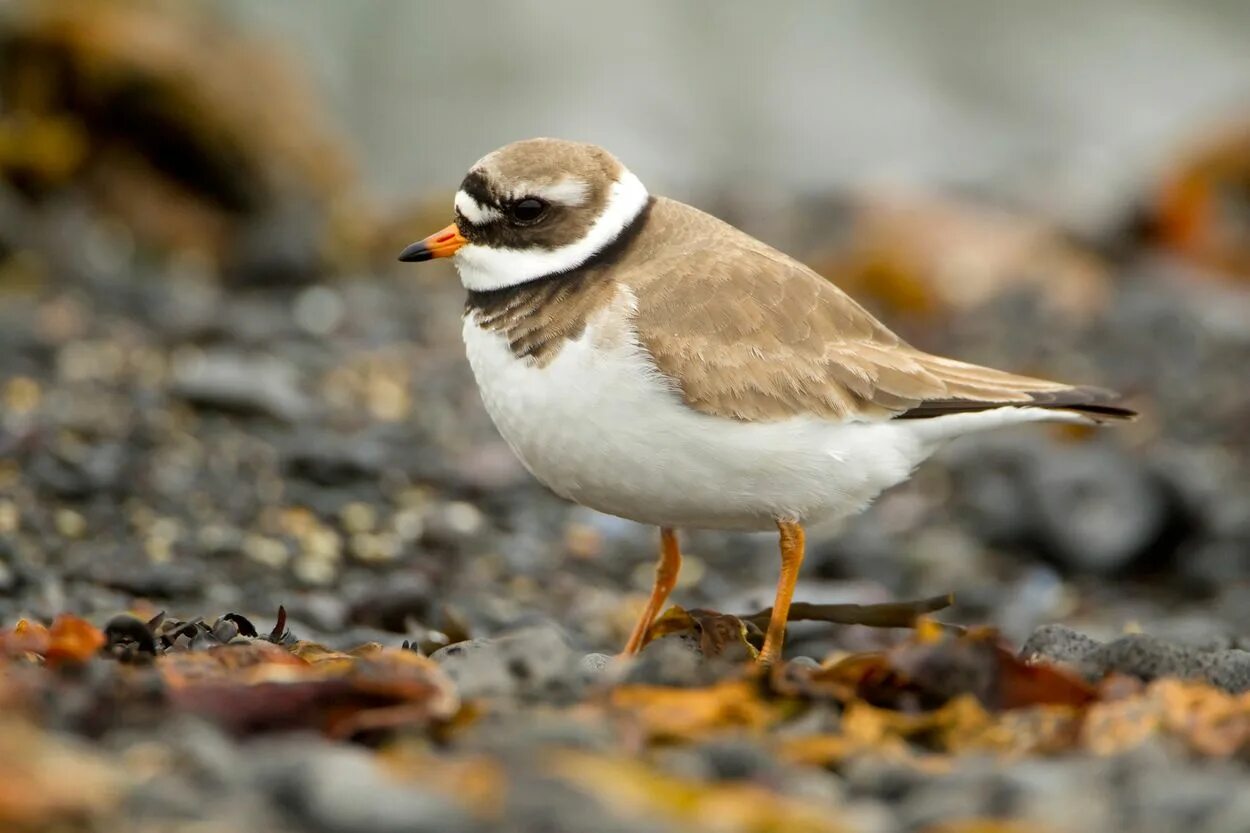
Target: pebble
<point x="1057" y="643"/>
<point x="281" y="246"/>
<point x="536" y="660"/>
<point x="1140" y="655"/>
<point x="270" y="552"/>
<point x="155" y="581"/>
<point x="676" y="660"/>
<point x="328" y="459"/>
<point x="240" y="383"/>
<point x="318" y="310"/>
<point x="1090" y="508"/>
<point x="393" y="604"/>
<point x="339" y="789"/>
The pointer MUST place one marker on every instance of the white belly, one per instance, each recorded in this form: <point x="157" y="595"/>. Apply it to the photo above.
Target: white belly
<point x="598" y="425"/>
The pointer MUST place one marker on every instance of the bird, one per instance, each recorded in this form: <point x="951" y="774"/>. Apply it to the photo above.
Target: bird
<point x="649" y="361"/>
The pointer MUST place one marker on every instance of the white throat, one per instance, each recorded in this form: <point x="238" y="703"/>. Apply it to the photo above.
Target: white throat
<point x="483" y="268"/>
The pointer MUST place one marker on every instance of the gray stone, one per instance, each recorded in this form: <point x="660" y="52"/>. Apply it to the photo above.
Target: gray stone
<point x="240" y="383"/>
<point x="335" y="789"/>
<point x="601" y="668"/>
<point x="1097" y="510"/>
<point x="1057" y="643"/>
<point x="1151" y="658"/>
<point x="528" y="662"/>
<point x="675" y="660"/>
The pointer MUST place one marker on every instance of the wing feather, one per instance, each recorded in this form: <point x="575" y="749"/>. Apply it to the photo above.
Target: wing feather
<point x="748" y="333"/>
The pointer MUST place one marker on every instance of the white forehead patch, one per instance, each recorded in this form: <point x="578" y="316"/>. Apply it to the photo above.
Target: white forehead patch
<point x="474" y="211"/>
<point x="483" y="268"/>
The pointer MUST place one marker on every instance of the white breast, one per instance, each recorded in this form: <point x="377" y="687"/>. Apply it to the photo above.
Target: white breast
<point x="600" y="426"/>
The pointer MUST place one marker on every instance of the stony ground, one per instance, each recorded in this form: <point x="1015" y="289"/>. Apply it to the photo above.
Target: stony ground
<point x="266" y="566"/>
<point x="195" y="455"/>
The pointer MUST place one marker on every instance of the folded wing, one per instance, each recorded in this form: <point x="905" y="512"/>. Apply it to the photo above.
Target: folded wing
<point x="746" y="333"/>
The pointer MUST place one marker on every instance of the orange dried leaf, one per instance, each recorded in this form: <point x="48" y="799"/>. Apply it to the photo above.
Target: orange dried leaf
<point x="985" y="826"/>
<point x="1208" y="720"/>
<point x="261" y="687"/>
<point x="49" y="783"/>
<point x="673" y="620"/>
<point x="688" y="713"/>
<point x="25" y="640"/>
<point x="73" y="640"/>
<point x="978" y="663"/>
<point x="250" y="662"/>
<point x="1022" y="685"/>
<point x="632" y="787"/>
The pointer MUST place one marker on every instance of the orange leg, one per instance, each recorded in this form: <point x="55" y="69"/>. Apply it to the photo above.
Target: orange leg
<point x="665" y="579"/>
<point x="791" y="559"/>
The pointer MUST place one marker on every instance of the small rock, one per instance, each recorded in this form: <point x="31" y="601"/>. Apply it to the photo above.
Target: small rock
<point x="1100" y="511"/>
<point x="1089" y="508"/>
<point x="1057" y="643"/>
<point x="594" y="665"/>
<point x="450" y="524"/>
<point x="737" y="760"/>
<point x="676" y="660"/>
<point x="99" y="469"/>
<point x="318" y="310"/>
<point x="280" y="247"/>
<point x="241" y="384"/>
<point x="332" y="460"/>
<point x="155" y="581"/>
<point x="1151" y="658"/>
<point x="393" y="604"/>
<point x="334" y="789"/>
<point x="531" y="661"/>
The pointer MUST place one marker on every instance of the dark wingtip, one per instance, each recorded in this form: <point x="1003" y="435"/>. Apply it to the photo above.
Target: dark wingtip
<point x="1099" y="404"/>
<point x="416" y="253"/>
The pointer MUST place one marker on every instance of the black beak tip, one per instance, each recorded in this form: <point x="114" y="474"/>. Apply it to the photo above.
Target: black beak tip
<point x="416" y="253"/>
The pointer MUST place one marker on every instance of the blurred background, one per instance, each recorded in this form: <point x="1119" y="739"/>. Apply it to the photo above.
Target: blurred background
<point x="219" y="391"/>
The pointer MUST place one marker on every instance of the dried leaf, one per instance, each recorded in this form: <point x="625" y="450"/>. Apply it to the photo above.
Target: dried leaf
<point x="978" y="663"/>
<point x="226" y="662"/>
<point x="51" y="784"/>
<point x="634" y="788"/>
<point x="688" y="713"/>
<point x="478" y="782"/>
<point x="256" y="691"/>
<point x="25" y="640"/>
<point x="719" y="634"/>
<point x="1208" y="720"/>
<point x="985" y="826"/>
<point x="925" y="255"/>
<point x="73" y="640"/>
<point x="1200" y="209"/>
<point x="69" y="640"/>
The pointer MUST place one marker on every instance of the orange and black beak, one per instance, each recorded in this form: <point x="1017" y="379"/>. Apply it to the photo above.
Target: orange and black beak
<point x="443" y="243"/>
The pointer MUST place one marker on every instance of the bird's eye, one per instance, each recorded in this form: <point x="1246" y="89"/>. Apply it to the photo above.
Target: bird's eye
<point x="528" y="210"/>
